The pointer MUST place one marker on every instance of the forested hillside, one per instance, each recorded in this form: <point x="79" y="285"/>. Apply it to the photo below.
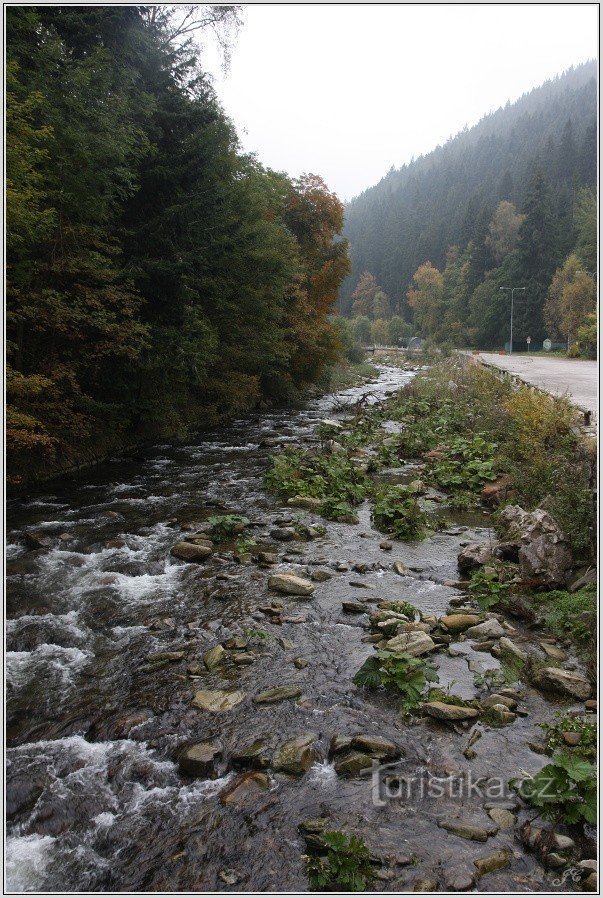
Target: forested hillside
<point x="158" y="279"/>
<point x="508" y="202"/>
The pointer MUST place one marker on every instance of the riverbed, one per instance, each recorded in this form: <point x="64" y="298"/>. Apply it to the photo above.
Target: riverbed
<point x="95" y="798"/>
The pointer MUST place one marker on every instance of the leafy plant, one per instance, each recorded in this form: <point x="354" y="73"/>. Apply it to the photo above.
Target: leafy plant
<point x="568" y="723"/>
<point x="571" y="613"/>
<point x="405" y="608"/>
<point x="398" y="671"/>
<point x="397" y="511"/>
<point x="224" y="526"/>
<point x="486" y="587"/>
<point x="345" y="868"/>
<point x="332" y="477"/>
<point x="244" y="546"/>
<point x="338" y="510"/>
<point x="467" y="464"/>
<point x="258" y="634"/>
<point x="494" y="678"/>
<point x="565" y="791"/>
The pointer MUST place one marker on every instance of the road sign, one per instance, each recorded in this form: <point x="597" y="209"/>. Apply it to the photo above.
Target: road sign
<point x="528" y="340"/>
<point x="547" y="345"/>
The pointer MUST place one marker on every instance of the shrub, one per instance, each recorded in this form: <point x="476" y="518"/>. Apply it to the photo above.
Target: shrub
<point x="397" y="511"/>
<point x="224" y="526"/>
<point x="330" y="477"/>
<point x="467" y="464"/>
<point x="486" y="588"/>
<point x="567" y="723"/>
<point x="345" y="868"/>
<point x="570" y="613"/>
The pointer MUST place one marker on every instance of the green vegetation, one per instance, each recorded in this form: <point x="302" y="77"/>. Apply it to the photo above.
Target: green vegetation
<point x="397" y="512"/>
<point x="466" y="464"/>
<point x="568" y="723"/>
<point x="199" y="282"/>
<point x="405" y="608"/>
<point x="564" y="791"/>
<point x="399" y="672"/>
<point x="570" y="614"/>
<point x="486" y="587"/>
<point x="333" y="477"/>
<point x="225" y="526"/>
<point x="345" y="868"/>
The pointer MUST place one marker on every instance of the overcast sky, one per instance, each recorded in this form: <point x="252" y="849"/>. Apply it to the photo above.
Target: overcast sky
<point x="348" y="91"/>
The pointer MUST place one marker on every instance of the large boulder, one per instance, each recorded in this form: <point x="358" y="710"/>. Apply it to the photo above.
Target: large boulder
<point x="544" y="549"/>
<point x="555" y="679"/>
<point x="473" y="556"/>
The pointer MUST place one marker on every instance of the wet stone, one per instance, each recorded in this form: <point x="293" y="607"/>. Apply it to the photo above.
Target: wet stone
<point x="277" y="694"/>
<point x="425" y="885"/>
<point x="443" y="711"/>
<point x="376" y="746"/>
<point x="243" y="658"/>
<point x="456" y="623"/>
<point x="214" y="657"/>
<point x="353" y="764"/>
<point x="217" y="700"/>
<point x="504" y="819"/>
<point x="290" y="584"/>
<point x="465" y="830"/>
<point x="339" y="744"/>
<point x="297" y="755"/>
<point x="199" y="760"/>
<point x="458" y="879"/>
<point x="283" y="534"/>
<point x="245" y="787"/>
<point x="320" y="576"/>
<point x="351" y="607"/>
<point x="498" y="860"/>
<point x="190" y="552"/>
<point x="554" y="679"/>
<point x="300" y="663"/>
<point x="254" y="755"/>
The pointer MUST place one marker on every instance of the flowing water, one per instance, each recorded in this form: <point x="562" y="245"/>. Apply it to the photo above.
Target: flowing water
<point x="95" y="799"/>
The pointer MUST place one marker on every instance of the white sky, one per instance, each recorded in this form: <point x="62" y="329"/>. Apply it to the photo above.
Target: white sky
<point x="347" y="91"/>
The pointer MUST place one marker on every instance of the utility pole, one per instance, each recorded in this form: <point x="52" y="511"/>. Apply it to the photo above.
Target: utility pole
<point x="512" y="292"/>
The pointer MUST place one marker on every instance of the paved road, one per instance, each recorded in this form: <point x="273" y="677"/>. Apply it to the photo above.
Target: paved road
<point x="576" y="378"/>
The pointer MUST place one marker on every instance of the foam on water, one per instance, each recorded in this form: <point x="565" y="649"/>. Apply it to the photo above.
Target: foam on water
<point x="26" y="861"/>
<point x="45" y="661"/>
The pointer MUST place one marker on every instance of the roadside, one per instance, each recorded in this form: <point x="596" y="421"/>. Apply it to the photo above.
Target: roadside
<point x="575" y="378"/>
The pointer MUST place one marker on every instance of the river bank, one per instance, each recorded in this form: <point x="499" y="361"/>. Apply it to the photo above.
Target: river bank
<point x="99" y="715"/>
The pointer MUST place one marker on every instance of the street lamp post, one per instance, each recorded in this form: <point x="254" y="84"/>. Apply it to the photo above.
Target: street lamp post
<point x="512" y="291"/>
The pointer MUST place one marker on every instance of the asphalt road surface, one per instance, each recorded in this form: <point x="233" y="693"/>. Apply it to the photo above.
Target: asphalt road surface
<point x="575" y="378"/>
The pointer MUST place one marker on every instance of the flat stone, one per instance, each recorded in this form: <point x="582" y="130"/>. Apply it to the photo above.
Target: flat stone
<point x="442" y="711"/>
<point x="489" y="629"/>
<point x="267" y="557"/>
<point x="386" y="546"/>
<point x="214" y="657"/>
<point x="376" y="746"/>
<point x="166" y="656"/>
<point x="353" y="764"/>
<point x="496" y="861"/>
<point x="554" y="679"/>
<point x="305" y="502"/>
<point x="320" y="575"/>
<point x="283" y="534"/>
<point x="254" y="755"/>
<point x="300" y="663"/>
<point x="313" y="825"/>
<point x="508" y="647"/>
<point x="217" y="700"/>
<point x="425" y="885"/>
<point x="553" y="651"/>
<point x="243" y="658"/>
<point x="190" y="552"/>
<point x="400" y="568"/>
<point x="458" y="879"/>
<point x="295" y="756"/>
<point x="464" y="830"/>
<point x="504" y="819"/>
<point x="339" y="743"/>
<point x="497" y="699"/>
<point x="245" y="787"/>
<point x="351" y="607"/>
<point x="456" y="623"/>
<point x="199" y="760"/>
<point x="277" y="694"/>
<point x="291" y="585"/>
<point x="414" y="644"/>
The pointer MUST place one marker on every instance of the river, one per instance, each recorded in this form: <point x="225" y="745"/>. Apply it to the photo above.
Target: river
<point x="95" y="799"/>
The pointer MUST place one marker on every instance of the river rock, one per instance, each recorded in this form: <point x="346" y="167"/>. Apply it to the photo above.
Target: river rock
<point x="297" y="755"/>
<point x="544" y="550"/>
<point x="277" y="694"/>
<point x="351" y="607"/>
<point x="553" y="651"/>
<point x="507" y="646"/>
<point x="376" y="746"/>
<point x="465" y="830"/>
<point x="291" y="585"/>
<point x="500" y="714"/>
<point x="320" y="575"/>
<point x="217" y="700"/>
<point x="504" y="819"/>
<point x="442" y="711"/>
<point x="456" y="623"/>
<point x="425" y="885"/>
<point x="165" y="656"/>
<point x="414" y="644"/>
<point x="267" y="557"/>
<point x="554" y="679"/>
<point x="254" y="755"/>
<point x="489" y="629"/>
<point x="243" y="658"/>
<point x="283" y="534"/>
<point x="353" y="764"/>
<point x="37" y="541"/>
<point x="305" y="502"/>
<point x="214" y="657"/>
<point x="590" y="883"/>
<point x="190" y="552"/>
<point x="473" y="556"/>
<point x="199" y="760"/>
<point x="300" y="663"/>
<point x="458" y="879"/>
<point x="338" y="744"/>
<point x="400" y="568"/>
<point x="245" y="787"/>
<point x="497" y="699"/>
<point x="496" y="861"/>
